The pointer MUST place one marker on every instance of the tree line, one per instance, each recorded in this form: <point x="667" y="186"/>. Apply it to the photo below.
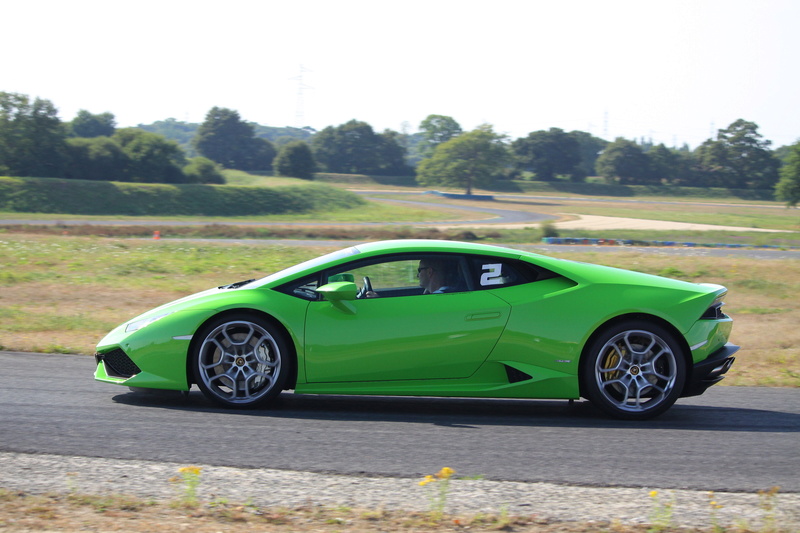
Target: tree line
<point x="34" y="142"/>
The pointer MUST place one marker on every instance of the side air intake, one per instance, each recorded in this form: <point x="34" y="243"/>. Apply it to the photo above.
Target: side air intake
<point x="515" y="375"/>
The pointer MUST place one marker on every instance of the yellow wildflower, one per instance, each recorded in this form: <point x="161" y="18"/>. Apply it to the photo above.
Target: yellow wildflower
<point x="653" y="493"/>
<point x="194" y="470"/>
<point x="445" y="473"/>
<point x="427" y="480"/>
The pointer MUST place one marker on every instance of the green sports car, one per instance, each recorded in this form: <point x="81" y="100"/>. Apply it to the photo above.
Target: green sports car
<point x="434" y="318"/>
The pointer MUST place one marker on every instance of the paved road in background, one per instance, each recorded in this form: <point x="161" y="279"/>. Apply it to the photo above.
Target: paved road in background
<point x="731" y="438"/>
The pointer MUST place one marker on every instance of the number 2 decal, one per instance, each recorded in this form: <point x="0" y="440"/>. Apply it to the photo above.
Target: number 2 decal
<point x="492" y="274"/>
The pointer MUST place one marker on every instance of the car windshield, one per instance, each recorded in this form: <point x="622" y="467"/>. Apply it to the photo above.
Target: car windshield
<point x="306" y="265"/>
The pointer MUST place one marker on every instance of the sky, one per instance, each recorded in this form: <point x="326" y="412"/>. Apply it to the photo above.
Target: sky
<point x="673" y="71"/>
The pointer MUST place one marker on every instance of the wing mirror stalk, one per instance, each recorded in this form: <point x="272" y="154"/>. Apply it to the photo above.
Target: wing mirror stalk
<point x="339" y="294"/>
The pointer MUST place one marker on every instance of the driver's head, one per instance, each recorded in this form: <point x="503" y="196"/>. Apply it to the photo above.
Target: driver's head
<point x="432" y="274"/>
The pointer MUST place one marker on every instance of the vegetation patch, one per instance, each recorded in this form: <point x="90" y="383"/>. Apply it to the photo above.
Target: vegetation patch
<point x="45" y="195"/>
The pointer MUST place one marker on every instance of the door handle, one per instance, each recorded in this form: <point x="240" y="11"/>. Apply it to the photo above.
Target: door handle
<point x="484" y="316"/>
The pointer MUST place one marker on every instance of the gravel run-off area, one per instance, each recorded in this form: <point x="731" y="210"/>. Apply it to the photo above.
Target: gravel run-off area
<point x="35" y="473"/>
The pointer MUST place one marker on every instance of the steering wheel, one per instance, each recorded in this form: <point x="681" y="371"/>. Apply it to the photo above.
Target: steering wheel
<point x="366" y="288"/>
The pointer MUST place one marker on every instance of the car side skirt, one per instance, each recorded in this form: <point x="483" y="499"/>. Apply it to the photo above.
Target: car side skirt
<point x="494" y="379"/>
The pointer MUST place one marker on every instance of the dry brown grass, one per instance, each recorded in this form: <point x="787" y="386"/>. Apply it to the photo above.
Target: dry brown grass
<point x="21" y="512"/>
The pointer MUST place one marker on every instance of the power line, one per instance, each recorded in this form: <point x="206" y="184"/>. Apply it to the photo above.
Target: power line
<point x="299" y="116"/>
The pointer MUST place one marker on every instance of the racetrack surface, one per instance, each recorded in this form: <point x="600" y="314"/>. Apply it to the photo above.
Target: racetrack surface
<point x="730" y="439"/>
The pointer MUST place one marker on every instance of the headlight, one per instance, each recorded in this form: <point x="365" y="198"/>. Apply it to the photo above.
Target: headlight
<point x="139" y="324"/>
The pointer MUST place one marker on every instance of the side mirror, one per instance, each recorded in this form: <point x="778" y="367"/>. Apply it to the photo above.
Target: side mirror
<point x="338" y="291"/>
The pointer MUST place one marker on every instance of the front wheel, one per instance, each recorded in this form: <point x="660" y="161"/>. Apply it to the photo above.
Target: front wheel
<point x="634" y="370"/>
<point x="241" y="361"/>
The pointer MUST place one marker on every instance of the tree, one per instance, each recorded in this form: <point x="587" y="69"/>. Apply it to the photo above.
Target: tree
<point x="437" y="129"/>
<point x="88" y="125"/>
<point x="625" y="161"/>
<point x="225" y="138"/>
<point x="153" y="158"/>
<point x="685" y="167"/>
<point x="712" y="168"/>
<point x="32" y="138"/>
<point x="175" y="130"/>
<point x="589" y="148"/>
<point x="788" y="188"/>
<point x="782" y="153"/>
<point x="261" y="155"/>
<point x="547" y="153"/>
<point x="738" y="158"/>
<point x="296" y="160"/>
<point x="664" y="164"/>
<point x="392" y="154"/>
<point x="470" y="160"/>
<point x="355" y="148"/>
<point x="97" y="158"/>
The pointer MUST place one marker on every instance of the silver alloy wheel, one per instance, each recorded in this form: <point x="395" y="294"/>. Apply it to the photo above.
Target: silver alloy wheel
<point x="239" y="362"/>
<point x="636" y="370"/>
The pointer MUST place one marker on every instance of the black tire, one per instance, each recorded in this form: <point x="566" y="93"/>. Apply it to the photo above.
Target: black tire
<point x="241" y="361"/>
<point x="634" y="370"/>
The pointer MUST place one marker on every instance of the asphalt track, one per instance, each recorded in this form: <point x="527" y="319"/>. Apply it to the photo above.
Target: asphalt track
<point x="732" y="438"/>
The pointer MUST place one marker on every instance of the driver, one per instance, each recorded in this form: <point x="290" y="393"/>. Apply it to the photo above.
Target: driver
<point x="435" y="276"/>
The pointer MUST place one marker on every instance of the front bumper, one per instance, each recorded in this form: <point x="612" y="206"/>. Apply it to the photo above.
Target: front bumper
<point x="709" y="371"/>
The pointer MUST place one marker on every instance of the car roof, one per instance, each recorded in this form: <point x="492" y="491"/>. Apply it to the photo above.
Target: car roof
<point x="433" y="245"/>
<point x="377" y="248"/>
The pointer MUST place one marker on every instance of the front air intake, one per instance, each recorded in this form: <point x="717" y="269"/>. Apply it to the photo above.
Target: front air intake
<point x="119" y="364"/>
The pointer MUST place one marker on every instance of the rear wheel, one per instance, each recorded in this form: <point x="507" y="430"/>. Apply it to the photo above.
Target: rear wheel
<point x="634" y="370"/>
<point x="241" y="361"/>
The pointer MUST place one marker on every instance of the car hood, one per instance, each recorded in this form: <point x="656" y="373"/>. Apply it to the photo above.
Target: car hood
<point x="208" y="299"/>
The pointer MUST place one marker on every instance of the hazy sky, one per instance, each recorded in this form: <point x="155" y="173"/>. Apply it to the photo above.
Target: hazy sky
<point x="675" y="71"/>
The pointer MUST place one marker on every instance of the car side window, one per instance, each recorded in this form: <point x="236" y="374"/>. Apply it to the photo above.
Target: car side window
<point x="406" y="274"/>
<point x="409" y="275"/>
<point x="396" y="277"/>
<point x="304" y="288"/>
<point x="387" y="278"/>
<point x="496" y="272"/>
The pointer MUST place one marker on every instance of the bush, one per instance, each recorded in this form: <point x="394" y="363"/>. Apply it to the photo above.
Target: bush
<point x="549" y="230"/>
<point x="203" y="170"/>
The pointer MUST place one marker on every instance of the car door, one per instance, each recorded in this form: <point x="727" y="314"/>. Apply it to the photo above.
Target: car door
<point x="402" y="334"/>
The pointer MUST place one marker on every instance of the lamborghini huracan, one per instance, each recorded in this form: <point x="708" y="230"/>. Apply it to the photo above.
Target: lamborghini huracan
<point x="434" y="318"/>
